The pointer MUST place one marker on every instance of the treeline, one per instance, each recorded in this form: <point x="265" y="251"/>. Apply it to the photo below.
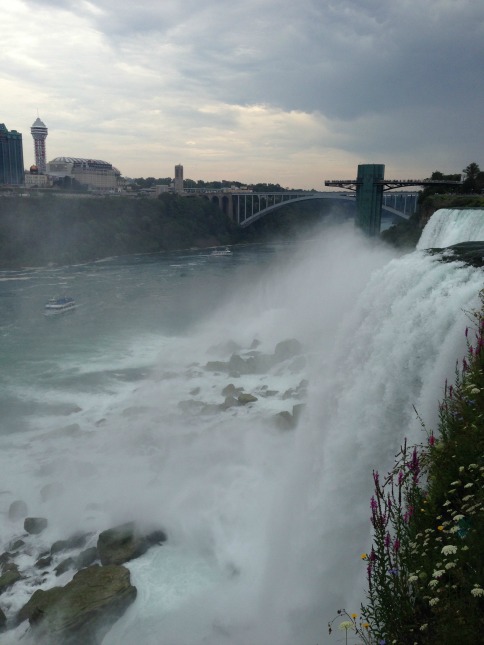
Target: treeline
<point x="55" y="230"/>
<point x="149" y="182"/>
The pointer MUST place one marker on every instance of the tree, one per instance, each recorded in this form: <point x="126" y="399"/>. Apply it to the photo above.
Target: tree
<point x="471" y="173"/>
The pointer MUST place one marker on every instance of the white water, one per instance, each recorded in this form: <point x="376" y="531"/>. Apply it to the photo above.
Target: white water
<point x="449" y="226"/>
<point x="265" y="527"/>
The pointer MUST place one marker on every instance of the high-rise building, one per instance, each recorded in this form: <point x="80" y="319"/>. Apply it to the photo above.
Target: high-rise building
<point x="178" y="179"/>
<point x="39" y="132"/>
<point x="11" y="157"/>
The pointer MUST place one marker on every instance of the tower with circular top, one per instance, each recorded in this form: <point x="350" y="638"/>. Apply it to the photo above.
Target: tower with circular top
<point x="39" y="133"/>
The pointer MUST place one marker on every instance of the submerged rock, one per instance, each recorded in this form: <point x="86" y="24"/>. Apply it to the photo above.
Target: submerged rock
<point x="81" y="612"/>
<point x="17" y="510"/>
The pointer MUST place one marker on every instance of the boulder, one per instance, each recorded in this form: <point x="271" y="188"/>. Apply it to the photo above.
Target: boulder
<point x="35" y="525"/>
<point x="87" y="557"/>
<point x="245" y="398"/>
<point x="82" y="611"/>
<point x="75" y="541"/>
<point x="123" y="543"/>
<point x="17" y="510"/>
<point x="287" y="349"/>
<point x="10" y="575"/>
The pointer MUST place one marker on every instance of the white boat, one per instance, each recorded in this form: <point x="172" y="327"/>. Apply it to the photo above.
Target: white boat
<point x="59" y="305"/>
<point x="221" y="252"/>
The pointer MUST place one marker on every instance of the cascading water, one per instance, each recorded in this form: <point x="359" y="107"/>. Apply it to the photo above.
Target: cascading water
<point x="265" y="526"/>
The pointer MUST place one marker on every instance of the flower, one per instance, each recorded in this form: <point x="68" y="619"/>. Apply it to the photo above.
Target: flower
<point x="365" y="625"/>
<point x="440" y="528"/>
<point x="477" y="591"/>
<point x="346" y="624"/>
<point x="469" y="485"/>
<point x="354" y="616"/>
<point x="413" y="579"/>
<point x="438" y="574"/>
<point x="433" y="602"/>
<point x="423" y="627"/>
<point x="364" y="556"/>
<point x="449" y="549"/>
<point x="450" y="565"/>
<point x="457" y="518"/>
<point x="433" y="583"/>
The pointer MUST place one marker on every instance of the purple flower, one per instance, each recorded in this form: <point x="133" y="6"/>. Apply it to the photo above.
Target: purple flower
<point x="393" y="572"/>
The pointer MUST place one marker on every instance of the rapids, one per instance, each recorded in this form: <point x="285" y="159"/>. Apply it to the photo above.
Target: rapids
<point x="265" y="527"/>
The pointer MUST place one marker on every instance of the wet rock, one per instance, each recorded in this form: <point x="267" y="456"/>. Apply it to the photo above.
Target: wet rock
<point x="230" y="402"/>
<point x="65" y="565"/>
<point x="246" y="398"/>
<point x="10" y="575"/>
<point x="43" y="563"/>
<point x="238" y="365"/>
<point x="217" y="366"/>
<point x="35" y="525"/>
<point x="3" y="621"/>
<point x="287" y="349"/>
<point x="123" y="543"/>
<point x="17" y="510"/>
<point x="75" y="541"/>
<point x="16" y="544"/>
<point x="51" y="491"/>
<point x="284" y="420"/>
<point x="231" y="390"/>
<point x="86" y="558"/>
<point x="82" y="611"/>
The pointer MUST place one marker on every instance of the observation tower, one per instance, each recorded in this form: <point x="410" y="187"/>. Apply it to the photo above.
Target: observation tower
<point x="39" y="133"/>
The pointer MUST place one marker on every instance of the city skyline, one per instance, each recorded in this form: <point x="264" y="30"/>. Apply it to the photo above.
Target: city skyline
<point x="260" y="92"/>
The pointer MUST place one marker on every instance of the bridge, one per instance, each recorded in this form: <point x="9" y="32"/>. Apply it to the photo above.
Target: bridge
<point x="369" y="187"/>
<point x="246" y="207"/>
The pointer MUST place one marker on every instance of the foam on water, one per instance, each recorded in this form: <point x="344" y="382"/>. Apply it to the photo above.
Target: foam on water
<point x="449" y="226"/>
<point x="264" y="526"/>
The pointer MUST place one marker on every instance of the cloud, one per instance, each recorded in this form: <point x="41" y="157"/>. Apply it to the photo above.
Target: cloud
<point x="355" y="80"/>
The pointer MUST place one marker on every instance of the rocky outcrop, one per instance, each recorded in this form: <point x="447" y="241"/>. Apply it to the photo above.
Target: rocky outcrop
<point x="123" y="543"/>
<point x="10" y="575"/>
<point x="81" y="612"/>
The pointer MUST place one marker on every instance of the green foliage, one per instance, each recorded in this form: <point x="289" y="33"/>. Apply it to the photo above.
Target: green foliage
<point x="425" y="567"/>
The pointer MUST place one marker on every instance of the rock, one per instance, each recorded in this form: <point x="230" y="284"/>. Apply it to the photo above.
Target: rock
<point x="65" y="565"/>
<point x="230" y="402"/>
<point x="287" y="349"/>
<point x="245" y="398"/>
<point x="17" y="510"/>
<point x="122" y="543"/>
<point x="238" y="365"/>
<point x="51" y="491"/>
<point x="86" y="558"/>
<point x="43" y="563"/>
<point x="284" y="420"/>
<point x="9" y="577"/>
<point x="17" y="544"/>
<point x="3" y="621"/>
<point x="217" y="366"/>
<point x="231" y="390"/>
<point x="84" y="610"/>
<point x="75" y="541"/>
<point x="35" y="525"/>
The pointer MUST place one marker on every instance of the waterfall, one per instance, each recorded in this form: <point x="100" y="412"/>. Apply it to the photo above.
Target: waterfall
<point x="449" y="226"/>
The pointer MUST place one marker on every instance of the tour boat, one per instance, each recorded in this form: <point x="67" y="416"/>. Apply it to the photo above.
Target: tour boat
<point x="59" y="305"/>
<point x="221" y="252"/>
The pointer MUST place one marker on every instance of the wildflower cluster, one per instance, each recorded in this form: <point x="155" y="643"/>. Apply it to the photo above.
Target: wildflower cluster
<point x="425" y="570"/>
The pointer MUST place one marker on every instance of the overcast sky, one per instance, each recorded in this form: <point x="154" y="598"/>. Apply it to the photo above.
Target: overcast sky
<point x="286" y="91"/>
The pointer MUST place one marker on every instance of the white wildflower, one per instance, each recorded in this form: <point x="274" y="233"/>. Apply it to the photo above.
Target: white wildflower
<point x="454" y="529"/>
<point x="450" y="565"/>
<point x="458" y="518"/>
<point x="456" y="483"/>
<point x="469" y="485"/>
<point x="477" y="591"/>
<point x="346" y="624"/>
<point x="447" y="503"/>
<point x="434" y="601"/>
<point x="433" y="583"/>
<point x="461" y="469"/>
<point x="438" y="573"/>
<point x="472" y="466"/>
<point x="467" y="498"/>
<point x="413" y="579"/>
<point x="475" y="390"/>
<point x="423" y="627"/>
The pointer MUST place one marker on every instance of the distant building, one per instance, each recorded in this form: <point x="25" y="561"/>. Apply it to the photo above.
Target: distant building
<point x="39" y="133"/>
<point x="96" y="175"/>
<point x="11" y="157"/>
<point x="35" y="180"/>
<point x="178" y="184"/>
